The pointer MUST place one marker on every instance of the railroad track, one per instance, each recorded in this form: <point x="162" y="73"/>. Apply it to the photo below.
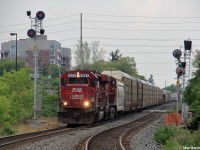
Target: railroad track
<point x="15" y="141"/>
<point x="118" y="138"/>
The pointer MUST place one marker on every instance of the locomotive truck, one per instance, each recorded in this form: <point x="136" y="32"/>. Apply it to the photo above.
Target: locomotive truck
<point x="88" y="96"/>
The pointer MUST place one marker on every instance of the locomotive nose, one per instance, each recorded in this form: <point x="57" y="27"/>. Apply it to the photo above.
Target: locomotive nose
<point x="76" y="115"/>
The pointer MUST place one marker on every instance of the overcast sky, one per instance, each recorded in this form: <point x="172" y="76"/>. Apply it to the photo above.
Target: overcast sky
<point x="148" y="30"/>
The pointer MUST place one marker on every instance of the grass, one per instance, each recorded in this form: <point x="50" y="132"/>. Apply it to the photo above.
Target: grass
<point x="27" y="127"/>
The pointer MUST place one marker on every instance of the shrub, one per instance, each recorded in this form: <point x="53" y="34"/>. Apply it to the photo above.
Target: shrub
<point x="50" y="106"/>
<point x="171" y="145"/>
<point x="7" y="130"/>
<point x="163" y="134"/>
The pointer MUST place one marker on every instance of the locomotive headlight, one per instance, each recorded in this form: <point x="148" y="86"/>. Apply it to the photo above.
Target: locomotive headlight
<point x="86" y="104"/>
<point x="65" y="103"/>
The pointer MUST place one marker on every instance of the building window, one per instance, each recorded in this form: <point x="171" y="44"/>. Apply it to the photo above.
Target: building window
<point x="52" y="61"/>
<point x="12" y="45"/>
<point x="51" y="53"/>
<point x="51" y="45"/>
<point x="12" y="54"/>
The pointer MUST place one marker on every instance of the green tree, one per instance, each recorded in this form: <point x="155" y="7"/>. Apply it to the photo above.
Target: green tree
<point x="115" y="55"/>
<point x="171" y="88"/>
<point x="191" y="95"/>
<point x="10" y="65"/>
<point x="16" y="98"/>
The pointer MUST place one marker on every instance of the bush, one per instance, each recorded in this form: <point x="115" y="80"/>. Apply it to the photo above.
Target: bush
<point x="183" y="138"/>
<point x="50" y="106"/>
<point x="7" y="130"/>
<point x="171" y="145"/>
<point x="163" y="134"/>
<point x="195" y="123"/>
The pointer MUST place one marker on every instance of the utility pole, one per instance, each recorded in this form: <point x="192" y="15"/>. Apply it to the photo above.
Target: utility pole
<point x="81" y="43"/>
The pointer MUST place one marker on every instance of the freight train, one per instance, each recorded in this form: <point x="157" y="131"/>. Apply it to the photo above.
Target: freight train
<point x="88" y="96"/>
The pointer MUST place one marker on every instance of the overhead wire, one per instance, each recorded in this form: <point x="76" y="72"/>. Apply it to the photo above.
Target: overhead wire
<point x="138" y="29"/>
<point x="142" y="16"/>
<point x="134" y="22"/>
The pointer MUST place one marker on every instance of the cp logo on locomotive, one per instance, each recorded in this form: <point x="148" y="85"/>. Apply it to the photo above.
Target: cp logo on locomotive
<point x="77" y="90"/>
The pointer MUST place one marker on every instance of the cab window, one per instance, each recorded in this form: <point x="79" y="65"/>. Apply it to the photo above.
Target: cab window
<point x="78" y="81"/>
<point x="92" y="82"/>
<point x="64" y="82"/>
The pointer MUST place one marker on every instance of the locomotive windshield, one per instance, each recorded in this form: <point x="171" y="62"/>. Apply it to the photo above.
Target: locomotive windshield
<point x="78" y="81"/>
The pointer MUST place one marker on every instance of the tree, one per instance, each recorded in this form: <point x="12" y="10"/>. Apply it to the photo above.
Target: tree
<point x="191" y="95"/>
<point x="115" y="55"/>
<point x="151" y="80"/>
<point x="16" y="90"/>
<point x="196" y="62"/>
<point x="82" y="56"/>
<point x="10" y="65"/>
<point x="97" y="53"/>
<point x="125" y="64"/>
<point x="88" y="54"/>
<point x="171" y="88"/>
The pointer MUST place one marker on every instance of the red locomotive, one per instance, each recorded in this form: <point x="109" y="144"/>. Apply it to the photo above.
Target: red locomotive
<point x="88" y="96"/>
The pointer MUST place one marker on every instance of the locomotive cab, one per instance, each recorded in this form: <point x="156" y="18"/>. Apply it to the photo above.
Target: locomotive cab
<point x="84" y="96"/>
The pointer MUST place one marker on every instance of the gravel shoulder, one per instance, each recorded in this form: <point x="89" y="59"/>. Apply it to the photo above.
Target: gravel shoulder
<point x="144" y="139"/>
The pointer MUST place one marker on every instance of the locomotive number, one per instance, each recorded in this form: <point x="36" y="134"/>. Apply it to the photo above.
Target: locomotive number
<point x="77" y="90"/>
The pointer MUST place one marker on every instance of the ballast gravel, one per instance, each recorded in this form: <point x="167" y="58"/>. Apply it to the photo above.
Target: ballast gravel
<point x="144" y="140"/>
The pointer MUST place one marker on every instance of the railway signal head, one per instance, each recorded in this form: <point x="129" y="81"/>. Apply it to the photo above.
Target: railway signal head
<point x="182" y="64"/>
<point x="28" y="13"/>
<point x="188" y="45"/>
<point x="180" y="71"/>
<point x="42" y="31"/>
<point x="40" y="15"/>
<point x="177" y="53"/>
<point x="31" y="33"/>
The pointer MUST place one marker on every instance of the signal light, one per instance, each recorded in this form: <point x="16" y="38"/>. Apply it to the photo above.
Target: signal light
<point x="177" y="53"/>
<point x="40" y="15"/>
<point x="31" y="33"/>
<point x="42" y="31"/>
<point x="182" y="64"/>
<point x="180" y="71"/>
<point x="188" y="45"/>
<point x="28" y="13"/>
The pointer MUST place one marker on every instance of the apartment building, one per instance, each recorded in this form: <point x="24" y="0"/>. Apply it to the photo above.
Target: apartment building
<point x="49" y="51"/>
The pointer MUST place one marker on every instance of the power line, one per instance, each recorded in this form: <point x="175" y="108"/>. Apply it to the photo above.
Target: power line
<point x="62" y="17"/>
<point x="110" y="38"/>
<point x="139" y="29"/>
<point x="142" y="16"/>
<point x="141" y="45"/>
<point x="133" y="22"/>
<point x="10" y="25"/>
<point x="63" y="30"/>
<point x="4" y="26"/>
<point x="63" y="23"/>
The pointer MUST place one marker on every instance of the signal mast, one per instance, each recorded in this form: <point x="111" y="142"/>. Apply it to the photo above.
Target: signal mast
<point x="36" y="27"/>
